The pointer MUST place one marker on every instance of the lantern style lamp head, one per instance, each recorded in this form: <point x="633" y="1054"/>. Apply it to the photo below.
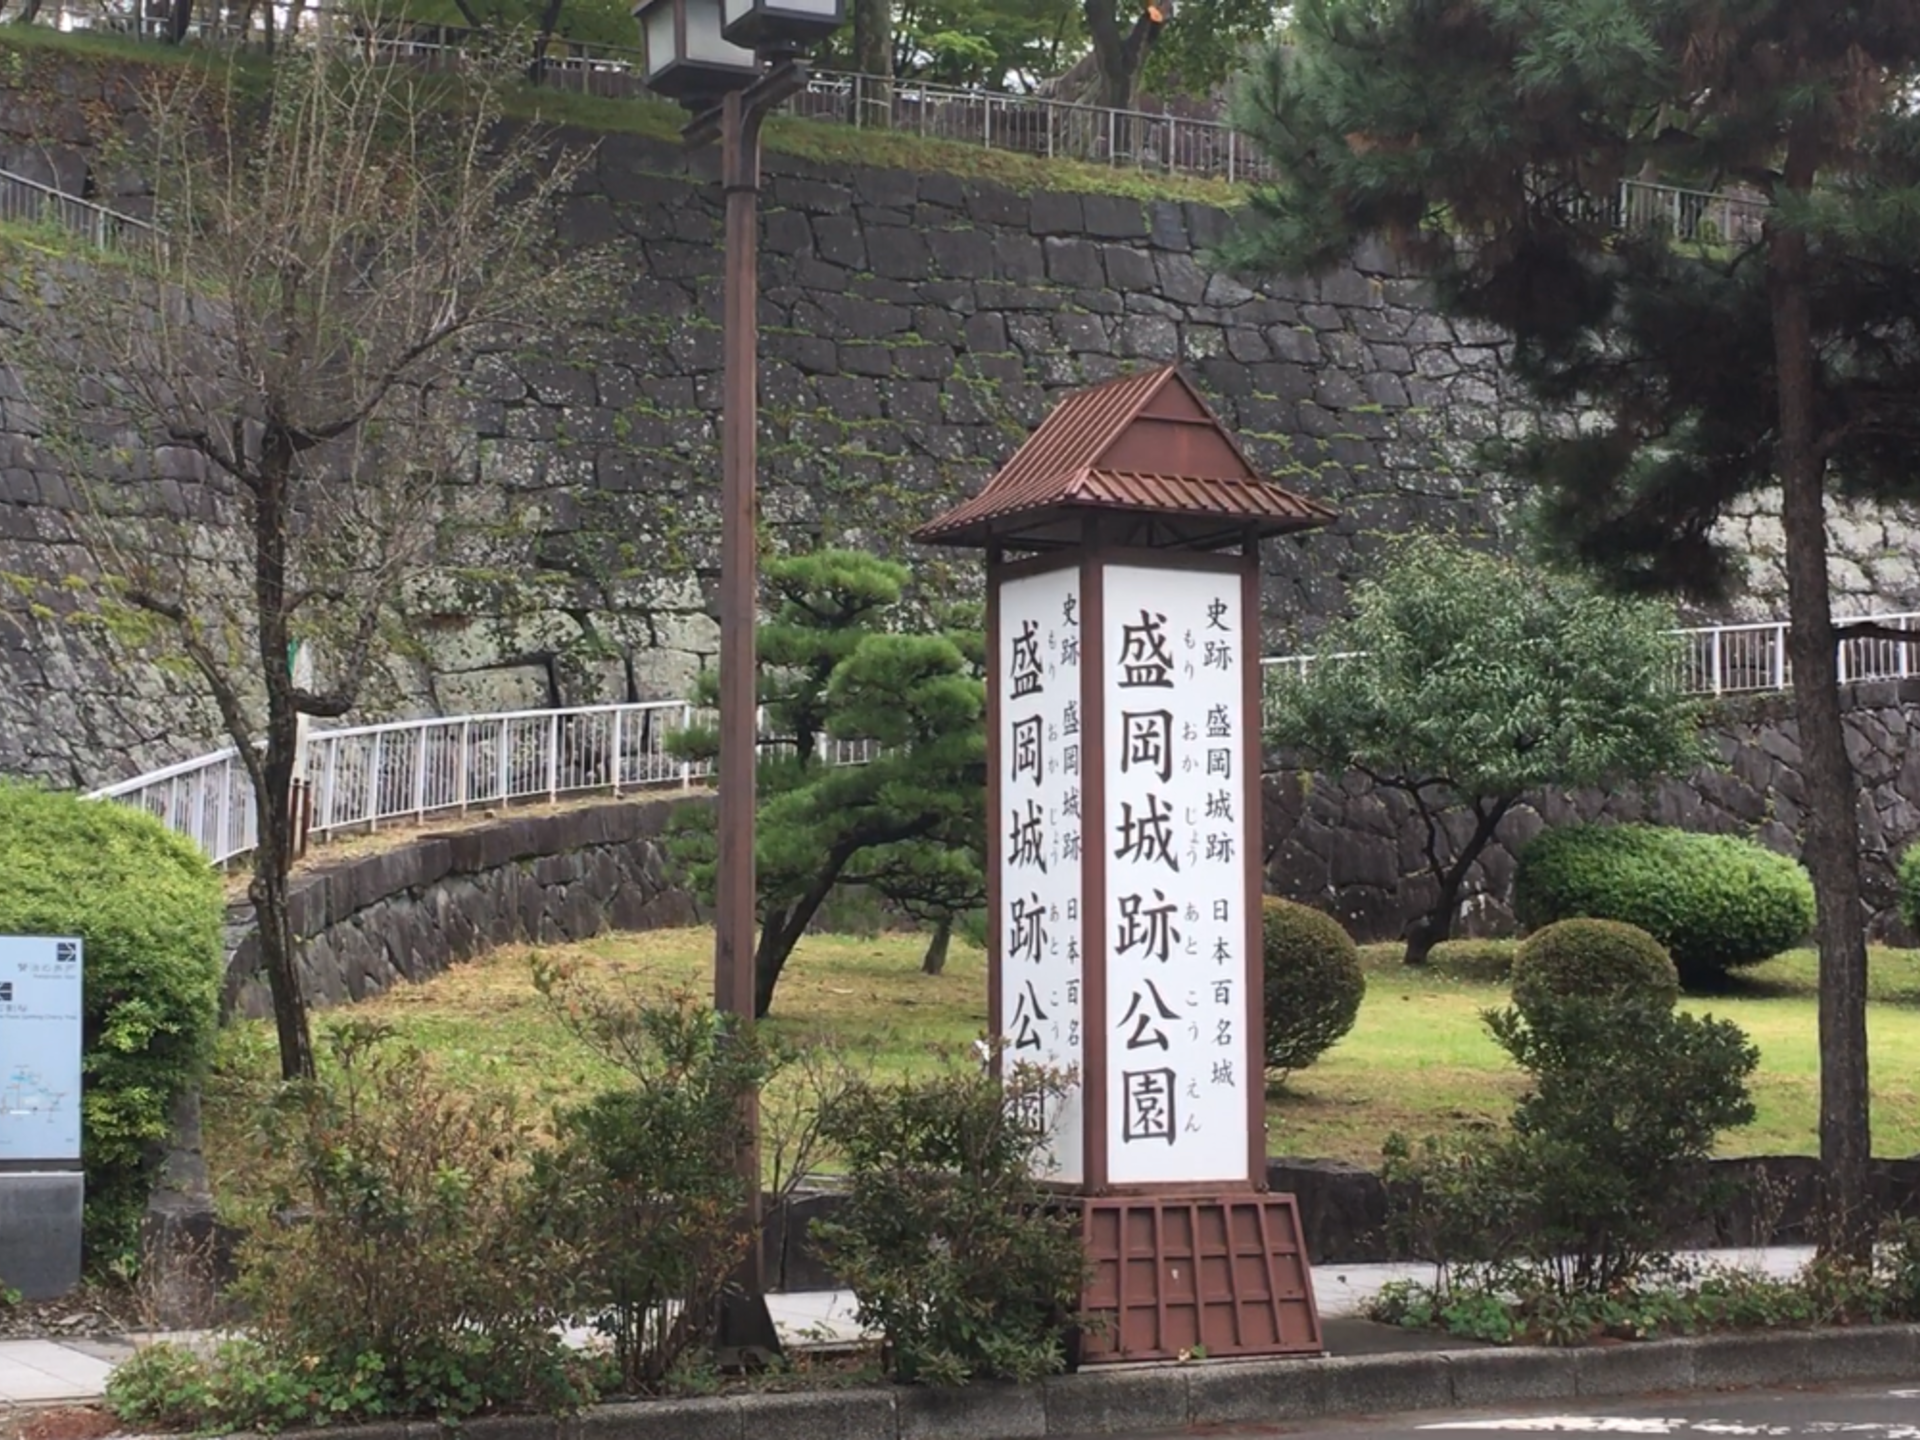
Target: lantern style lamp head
<point x="780" y="25"/>
<point x="689" y="59"/>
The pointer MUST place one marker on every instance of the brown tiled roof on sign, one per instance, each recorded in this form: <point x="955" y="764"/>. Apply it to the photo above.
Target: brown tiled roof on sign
<point x="1146" y="443"/>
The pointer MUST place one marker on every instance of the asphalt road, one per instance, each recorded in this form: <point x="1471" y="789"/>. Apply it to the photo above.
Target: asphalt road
<point x="1869" y="1412"/>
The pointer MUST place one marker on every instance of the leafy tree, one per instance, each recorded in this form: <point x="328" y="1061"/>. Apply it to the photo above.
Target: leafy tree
<point x="834" y="672"/>
<point x="1482" y="138"/>
<point x="1467" y="681"/>
<point x="294" y="336"/>
<point x="994" y="44"/>
<point x="1209" y="41"/>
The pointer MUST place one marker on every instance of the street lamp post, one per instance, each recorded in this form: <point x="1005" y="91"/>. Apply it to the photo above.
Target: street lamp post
<point x="731" y="62"/>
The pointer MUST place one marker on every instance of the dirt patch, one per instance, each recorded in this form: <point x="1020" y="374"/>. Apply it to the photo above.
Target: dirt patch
<point x="59" y="1422"/>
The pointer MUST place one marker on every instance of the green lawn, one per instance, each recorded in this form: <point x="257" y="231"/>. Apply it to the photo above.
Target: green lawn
<point x="1418" y="1060"/>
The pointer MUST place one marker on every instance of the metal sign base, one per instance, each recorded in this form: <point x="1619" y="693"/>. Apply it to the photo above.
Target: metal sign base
<point x="1175" y="1276"/>
<point x="40" y="1221"/>
<point x="745" y="1340"/>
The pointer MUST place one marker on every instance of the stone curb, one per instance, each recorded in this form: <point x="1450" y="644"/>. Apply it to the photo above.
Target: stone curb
<point x="1134" y="1399"/>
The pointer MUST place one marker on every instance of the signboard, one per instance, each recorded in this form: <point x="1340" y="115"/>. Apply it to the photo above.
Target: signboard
<point x="40" y="1008"/>
<point x="1040" y="970"/>
<point x="1175" y="832"/>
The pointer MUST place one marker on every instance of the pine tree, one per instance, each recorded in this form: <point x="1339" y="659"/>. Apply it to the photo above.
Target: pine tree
<point x="1486" y="140"/>
<point x="873" y="756"/>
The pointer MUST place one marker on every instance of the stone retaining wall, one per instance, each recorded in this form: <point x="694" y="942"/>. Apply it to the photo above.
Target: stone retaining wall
<point x="914" y="328"/>
<point x="409" y="912"/>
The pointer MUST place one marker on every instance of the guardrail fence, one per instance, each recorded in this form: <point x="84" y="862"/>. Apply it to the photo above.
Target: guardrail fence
<point x="1738" y="659"/>
<point x="365" y="776"/>
<point x="24" y="200"/>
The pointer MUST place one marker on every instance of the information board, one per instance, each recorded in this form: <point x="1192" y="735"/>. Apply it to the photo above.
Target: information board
<point x="1175" y="833"/>
<point x="1040" y="926"/>
<point x="40" y="1007"/>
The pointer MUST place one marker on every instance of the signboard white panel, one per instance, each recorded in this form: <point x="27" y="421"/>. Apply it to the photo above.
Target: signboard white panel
<point x="39" y="1048"/>
<point x="1175" y="837"/>
<point x="1038" y="672"/>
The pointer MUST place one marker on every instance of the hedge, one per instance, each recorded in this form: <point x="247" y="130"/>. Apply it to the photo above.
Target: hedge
<point x="148" y="907"/>
<point x="1715" y="901"/>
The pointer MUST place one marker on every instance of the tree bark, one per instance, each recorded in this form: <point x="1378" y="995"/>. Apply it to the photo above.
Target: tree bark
<point x="783" y="929"/>
<point x="935" y="959"/>
<point x="273" y="797"/>
<point x="873" y="56"/>
<point x="1109" y="52"/>
<point x="542" y="41"/>
<point x="1832" y="843"/>
<point x="1436" y="925"/>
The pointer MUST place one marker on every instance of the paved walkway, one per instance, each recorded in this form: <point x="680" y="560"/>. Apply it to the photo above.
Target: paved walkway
<point x="44" y="1371"/>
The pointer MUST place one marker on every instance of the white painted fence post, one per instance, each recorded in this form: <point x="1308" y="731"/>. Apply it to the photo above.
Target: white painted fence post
<point x="1719" y="677"/>
<point x="553" y="757"/>
<point x="463" y="758"/>
<point x="333" y="765"/>
<point x="226" y="811"/>
<point x="506" y="757"/>
<point x="373" y="784"/>
<point x="1779" y="657"/>
<point x="618" y="713"/>
<point x="420" y="774"/>
<point x="686" y="766"/>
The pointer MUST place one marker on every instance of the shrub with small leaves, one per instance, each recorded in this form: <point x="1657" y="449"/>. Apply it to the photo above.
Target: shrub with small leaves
<point x="148" y="907"/>
<point x="1478" y="960"/>
<point x="1314" y="984"/>
<point x="642" y="1188"/>
<point x="1598" y="959"/>
<point x="417" y="1273"/>
<point x="946" y="1238"/>
<point x="1715" y="901"/>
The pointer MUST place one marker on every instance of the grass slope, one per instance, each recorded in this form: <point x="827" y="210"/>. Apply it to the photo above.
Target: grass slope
<point x="1419" y="1059"/>
<point x="820" y="141"/>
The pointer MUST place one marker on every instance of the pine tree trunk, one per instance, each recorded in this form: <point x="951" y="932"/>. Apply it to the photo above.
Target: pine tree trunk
<point x="935" y="959"/>
<point x="1832" y="841"/>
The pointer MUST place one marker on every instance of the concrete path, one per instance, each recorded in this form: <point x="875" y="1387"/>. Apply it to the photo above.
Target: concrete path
<point x="34" y="1372"/>
<point x="44" y="1371"/>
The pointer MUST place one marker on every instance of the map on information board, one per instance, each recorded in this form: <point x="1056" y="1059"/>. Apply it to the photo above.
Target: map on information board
<point x="40" y="1008"/>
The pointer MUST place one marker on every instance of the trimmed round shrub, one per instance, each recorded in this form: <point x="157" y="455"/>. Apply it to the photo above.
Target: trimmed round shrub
<point x="1481" y="960"/>
<point x="1715" y="901"/>
<point x="1908" y="880"/>
<point x="1592" y="959"/>
<point x="1314" y="983"/>
<point x="148" y="907"/>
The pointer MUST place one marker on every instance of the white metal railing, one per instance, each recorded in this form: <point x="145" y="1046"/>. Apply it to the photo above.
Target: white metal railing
<point x="1034" y="125"/>
<point x="365" y="776"/>
<point x="991" y="119"/>
<point x="1740" y="659"/>
<point x="32" y="202"/>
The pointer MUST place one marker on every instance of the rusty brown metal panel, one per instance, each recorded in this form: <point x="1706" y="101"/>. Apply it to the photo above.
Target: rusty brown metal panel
<point x="1147" y="442"/>
<point x="1171" y="1275"/>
